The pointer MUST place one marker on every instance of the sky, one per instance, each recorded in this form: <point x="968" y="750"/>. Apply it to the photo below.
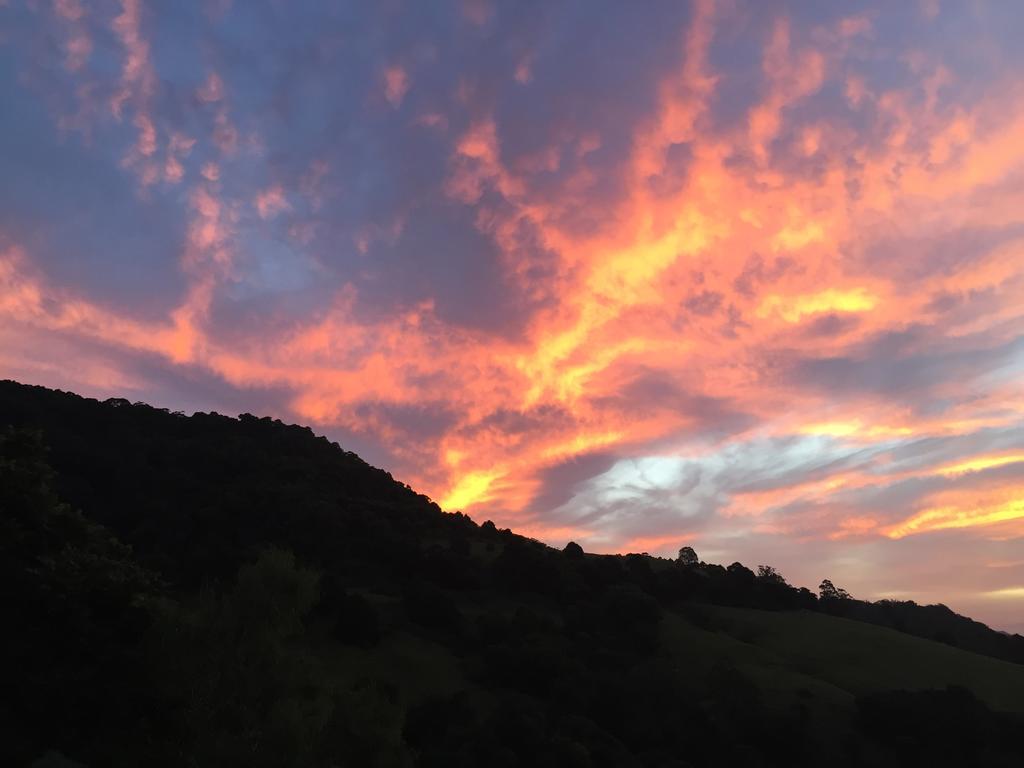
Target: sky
<point x="744" y="276"/>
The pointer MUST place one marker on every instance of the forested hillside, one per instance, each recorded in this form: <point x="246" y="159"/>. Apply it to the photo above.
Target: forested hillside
<point x="210" y="591"/>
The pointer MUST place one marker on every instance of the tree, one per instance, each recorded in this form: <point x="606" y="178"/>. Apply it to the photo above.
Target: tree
<point x="829" y="591"/>
<point x="233" y="664"/>
<point x="573" y="550"/>
<point x="769" y="574"/>
<point x="738" y="570"/>
<point x="71" y="593"/>
<point x="687" y="556"/>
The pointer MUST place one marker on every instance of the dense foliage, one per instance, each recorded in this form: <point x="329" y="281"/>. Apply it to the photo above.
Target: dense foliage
<point x="208" y="591"/>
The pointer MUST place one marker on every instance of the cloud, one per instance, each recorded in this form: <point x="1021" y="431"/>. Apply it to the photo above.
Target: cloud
<point x="745" y="276"/>
<point x="396" y="84"/>
<point x="212" y="89"/>
<point x="271" y="202"/>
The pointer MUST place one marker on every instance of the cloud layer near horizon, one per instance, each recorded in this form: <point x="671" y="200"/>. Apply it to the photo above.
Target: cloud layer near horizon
<point x="748" y="276"/>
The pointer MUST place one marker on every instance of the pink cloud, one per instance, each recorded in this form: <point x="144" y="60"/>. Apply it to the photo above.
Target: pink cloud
<point x="477" y="12"/>
<point x="225" y="134"/>
<point x="137" y="78"/>
<point x="271" y="202"/>
<point x="212" y="90"/>
<point x="211" y="171"/>
<point x="78" y="42"/>
<point x="396" y="84"/>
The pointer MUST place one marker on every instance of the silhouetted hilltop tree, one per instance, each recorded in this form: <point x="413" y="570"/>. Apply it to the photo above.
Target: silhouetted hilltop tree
<point x="768" y="574"/>
<point x="829" y="591"/>
<point x="573" y="550"/>
<point x="688" y="556"/>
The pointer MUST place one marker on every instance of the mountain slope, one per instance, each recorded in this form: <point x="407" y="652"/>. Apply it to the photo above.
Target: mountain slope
<point x="862" y="658"/>
<point x="280" y="602"/>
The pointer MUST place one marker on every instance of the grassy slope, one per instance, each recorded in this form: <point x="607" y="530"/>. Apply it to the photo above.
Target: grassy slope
<point x="837" y="658"/>
<point x="797" y="658"/>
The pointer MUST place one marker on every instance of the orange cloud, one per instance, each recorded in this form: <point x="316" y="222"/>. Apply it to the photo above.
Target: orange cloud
<point x="981" y="463"/>
<point x="829" y="277"/>
<point x="967" y="516"/>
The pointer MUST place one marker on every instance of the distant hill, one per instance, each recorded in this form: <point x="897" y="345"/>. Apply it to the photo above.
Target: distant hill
<point x="205" y="590"/>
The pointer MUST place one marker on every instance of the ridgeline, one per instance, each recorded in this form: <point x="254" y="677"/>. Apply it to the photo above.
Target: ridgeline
<point x="211" y="591"/>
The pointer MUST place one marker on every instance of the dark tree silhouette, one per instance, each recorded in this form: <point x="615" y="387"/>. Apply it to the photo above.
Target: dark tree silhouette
<point x="828" y="591"/>
<point x="687" y="556"/>
<point x="573" y="550"/>
<point x="70" y="592"/>
<point x="769" y="574"/>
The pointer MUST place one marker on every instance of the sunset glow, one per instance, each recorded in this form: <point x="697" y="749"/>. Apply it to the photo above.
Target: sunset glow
<point x="745" y="276"/>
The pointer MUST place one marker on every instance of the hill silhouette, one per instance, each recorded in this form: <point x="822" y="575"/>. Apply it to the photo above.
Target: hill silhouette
<point x="204" y="590"/>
